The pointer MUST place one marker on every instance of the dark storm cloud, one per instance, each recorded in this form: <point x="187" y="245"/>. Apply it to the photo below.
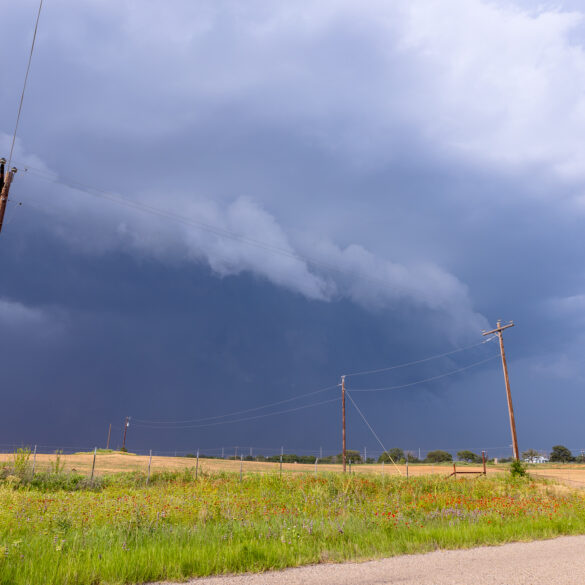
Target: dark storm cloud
<point x="427" y="159"/>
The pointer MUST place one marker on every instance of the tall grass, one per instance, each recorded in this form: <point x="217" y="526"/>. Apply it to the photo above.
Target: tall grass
<point x="121" y="531"/>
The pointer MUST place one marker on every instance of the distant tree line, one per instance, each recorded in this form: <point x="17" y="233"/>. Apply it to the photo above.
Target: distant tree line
<point x="559" y="453"/>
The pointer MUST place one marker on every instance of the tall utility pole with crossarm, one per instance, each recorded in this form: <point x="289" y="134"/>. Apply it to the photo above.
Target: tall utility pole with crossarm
<point x="6" y="177"/>
<point x="498" y="331"/>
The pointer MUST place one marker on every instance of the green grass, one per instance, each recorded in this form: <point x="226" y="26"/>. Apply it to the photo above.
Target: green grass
<point x="120" y="531"/>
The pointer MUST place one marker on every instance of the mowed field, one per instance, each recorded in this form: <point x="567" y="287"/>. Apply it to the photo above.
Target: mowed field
<point x="107" y="463"/>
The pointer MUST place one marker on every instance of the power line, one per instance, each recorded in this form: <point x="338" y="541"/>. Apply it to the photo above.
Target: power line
<point x="426" y="379"/>
<point x="226" y="422"/>
<point x="404" y="365"/>
<point x="196" y="420"/>
<point x="32" y="48"/>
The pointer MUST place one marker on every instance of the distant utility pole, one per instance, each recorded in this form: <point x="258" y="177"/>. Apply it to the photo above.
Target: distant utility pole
<point x="343" y="420"/>
<point x="126" y="425"/>
<point x="498" y="331"/>
<point x="5" y="182"/>
<point x="109" y="433"/>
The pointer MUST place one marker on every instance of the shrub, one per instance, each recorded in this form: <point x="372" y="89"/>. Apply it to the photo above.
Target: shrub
<point x="517" y="468"/>
<point x="394" y="454"/>
<point x="439" y="456"/>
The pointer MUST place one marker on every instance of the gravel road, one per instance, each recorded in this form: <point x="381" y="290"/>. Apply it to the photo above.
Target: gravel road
<point x="547" y="562"/>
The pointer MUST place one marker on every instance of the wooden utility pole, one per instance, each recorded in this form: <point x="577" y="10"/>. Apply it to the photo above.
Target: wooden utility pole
<point x="5" y="182"/>
<point x="343" y="420"/>
<point x="126" y="425"/>
<point x="498" y="331"/>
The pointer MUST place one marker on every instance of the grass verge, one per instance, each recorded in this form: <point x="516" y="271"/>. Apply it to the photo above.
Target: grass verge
<point x="121" y="531"/>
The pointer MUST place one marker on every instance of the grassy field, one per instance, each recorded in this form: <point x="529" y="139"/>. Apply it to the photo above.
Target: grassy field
<point x="57" y="528"/>
<point x="113" y="462"/>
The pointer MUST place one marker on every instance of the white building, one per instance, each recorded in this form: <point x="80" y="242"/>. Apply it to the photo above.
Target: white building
<point x="539" y="459"/>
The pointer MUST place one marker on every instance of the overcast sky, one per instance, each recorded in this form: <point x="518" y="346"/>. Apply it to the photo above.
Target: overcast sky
<point x="225" y="204"/>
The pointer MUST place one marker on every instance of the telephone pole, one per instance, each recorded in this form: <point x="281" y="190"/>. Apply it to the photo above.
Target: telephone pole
<point x="498" y="331"/>
<point x="126" y="425"/>
<point x="343" y="420"/>
<point x="5" y="182"/>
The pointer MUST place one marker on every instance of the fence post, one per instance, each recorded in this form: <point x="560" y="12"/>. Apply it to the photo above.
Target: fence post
<point x="149" y="463"/>
<point x="93" y="464"/>
<point x="407" y="466"/>
<point x="483" y="459"/>
<point x="241" y="466"/>
<point x="34" y="461"/>
<point x="197" y="465"/>
<point x="316" y="461"/>
<point x="350" y="466"/>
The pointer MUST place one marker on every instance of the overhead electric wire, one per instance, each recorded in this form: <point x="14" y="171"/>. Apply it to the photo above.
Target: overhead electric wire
<point x="372" y="430"/>
<point x="426" y="379"/>
<point x="32" y="48"/>
<point x="227" y="422"/>
<point x="196" y="420"/>
<point x="241" y="419"/>
<point x="427" y="359"/>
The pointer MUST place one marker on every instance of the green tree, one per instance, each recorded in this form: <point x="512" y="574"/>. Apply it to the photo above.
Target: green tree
<point x="353" y="456"/>
<point x="560" y="453"/>
<point x="468" y="456"/>
<point x="394" y="454"/>
<point x="439" y="456"/>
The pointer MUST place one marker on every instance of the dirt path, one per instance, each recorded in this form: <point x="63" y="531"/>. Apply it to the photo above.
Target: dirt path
<point x="548" y="562"/>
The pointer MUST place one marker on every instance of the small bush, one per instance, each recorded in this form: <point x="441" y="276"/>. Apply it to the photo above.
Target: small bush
<point x="517" y="468"/>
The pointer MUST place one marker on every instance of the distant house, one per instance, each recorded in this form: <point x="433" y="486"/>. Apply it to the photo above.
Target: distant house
<point x="539" y="459"/>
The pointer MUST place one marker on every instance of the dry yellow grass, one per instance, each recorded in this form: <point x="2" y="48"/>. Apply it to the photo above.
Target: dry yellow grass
<point x="119" y="462"/>
<point x="572" y="475"/>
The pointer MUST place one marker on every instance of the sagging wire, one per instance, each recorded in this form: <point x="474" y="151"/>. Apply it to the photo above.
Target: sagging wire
<point x="226" y="422"/>
<point x="427" y="359"/>
<point x="431" y="379"/>
<point x="197" y="420"/>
